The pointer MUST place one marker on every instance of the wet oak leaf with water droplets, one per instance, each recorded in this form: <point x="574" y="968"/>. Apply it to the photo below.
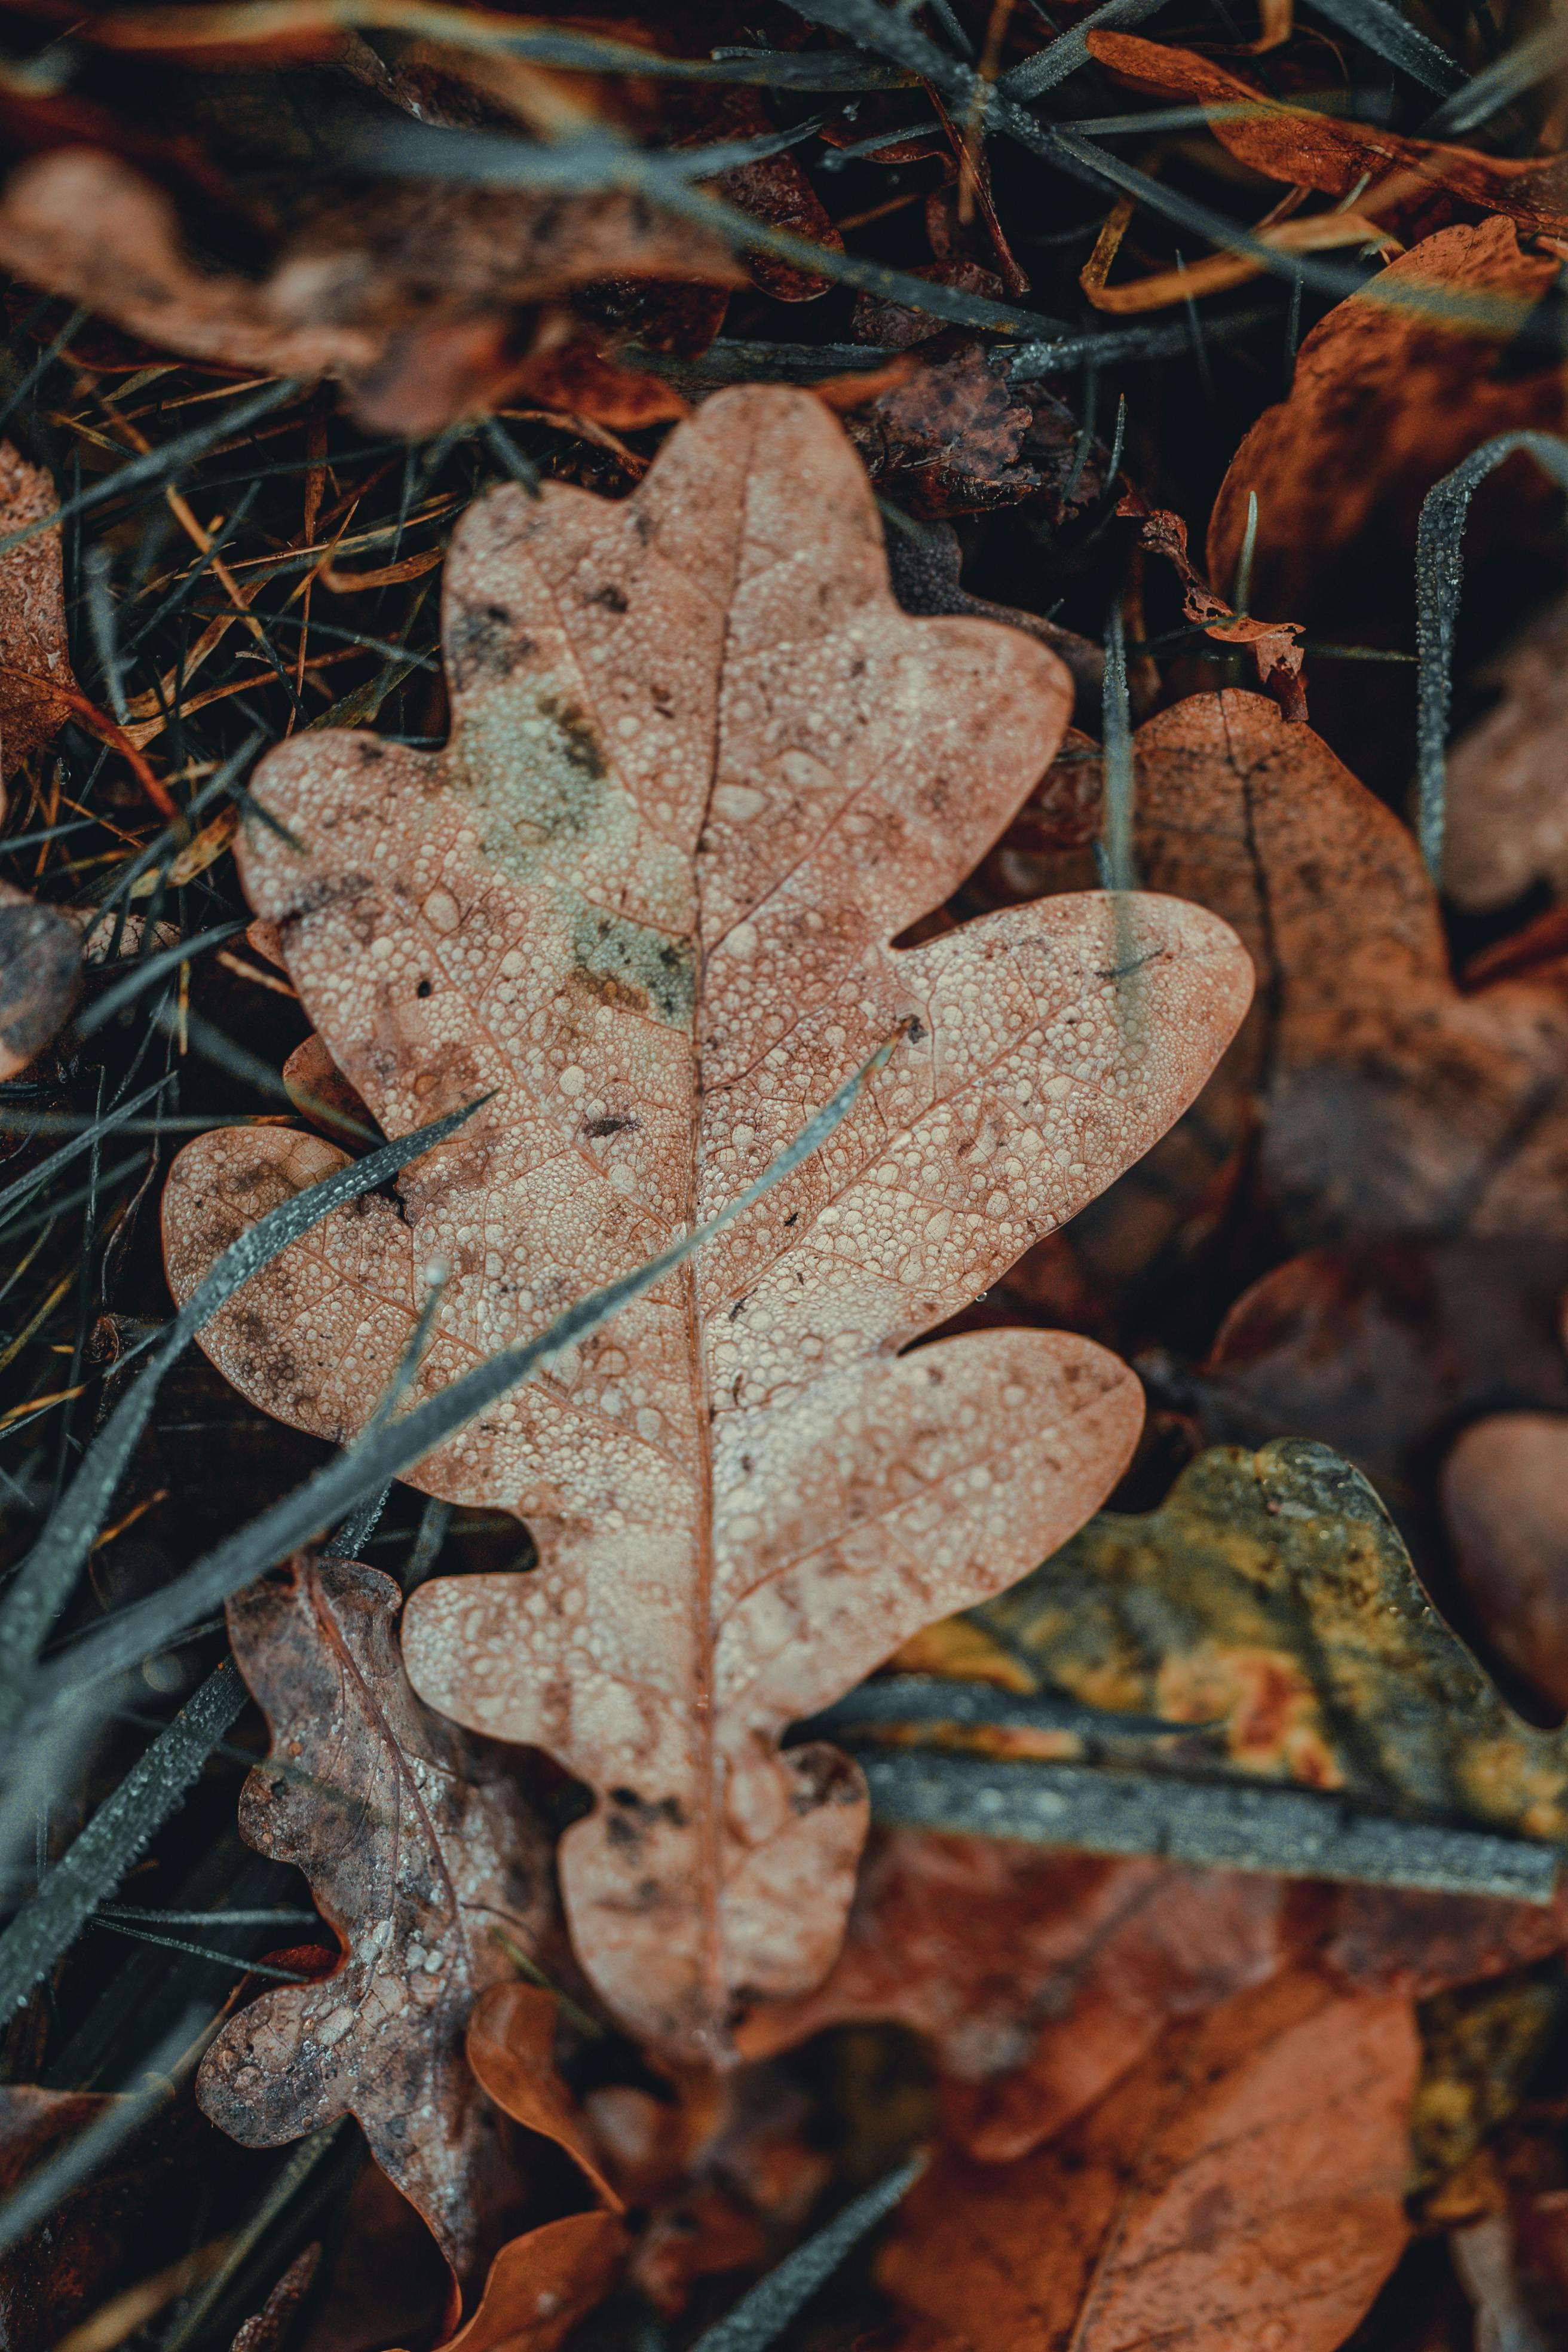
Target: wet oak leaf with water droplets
<point x="702" y="772"/>
<point x="416" y="1845"/>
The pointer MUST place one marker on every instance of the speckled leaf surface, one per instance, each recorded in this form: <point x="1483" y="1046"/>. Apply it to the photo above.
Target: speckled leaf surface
<point x="416" y="1845"/>
<point x="704" y="772"/>
<point x="1271" y="1596"/>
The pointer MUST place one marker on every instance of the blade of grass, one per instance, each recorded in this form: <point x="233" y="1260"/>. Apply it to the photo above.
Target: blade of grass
<point x="24" y="1188"/>
<point x="1382" y="28"/>
<point x="1440" y="577"/>
<point x="93" y="1866"/>
<point x="761" y="2316"/>
<point x="1534" y="59"/>
<point x="1217" y="1824"/>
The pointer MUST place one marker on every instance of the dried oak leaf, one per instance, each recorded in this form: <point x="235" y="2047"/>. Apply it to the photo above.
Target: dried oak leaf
<point x="702" y="770"/>
<point x="1393" y="1104"/>
<point x="267" y="2329"/>
<point x="1504" y="1501"/>
<point x="416" y="1845"/>
<point x="1508" y="797"/>
<point x="1385" y="401"/>
<point x="419" y="298"/>
<point x="1311" y="149"/>
<point x="1270" y="1594"/>
<point x="1243" y="2186"/>
<point x="1037" y="1979"/>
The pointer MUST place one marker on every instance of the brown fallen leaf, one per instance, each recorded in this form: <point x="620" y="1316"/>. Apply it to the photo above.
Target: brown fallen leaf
<point x="541" y="2284"/>
<point x="1392" y="1104"/>
<point x="35" y="650"/>
<point x="1507" y="807"/>
<point x="947" y="438"/>
<point x="418" y="299"/>
<point x="511" y="2049"/>
<point x="1397" y="1940"/>
<point x="416" y="1844"/>
<point x="1504" y="1501"/>
<point x="1384" y="1352"/>
<point x="1037" y="1979"/>
<point x="40" y="972"/>
<point x="1385" y="400"/>
<point x="1331" y="152"/>
<point x="1242" y="2187"/>
<point x="702" y="770"/>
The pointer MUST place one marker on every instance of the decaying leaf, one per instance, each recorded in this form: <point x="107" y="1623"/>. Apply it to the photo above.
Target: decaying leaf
<point x="416" y="1845"/>
<point x="39" y="949"/>
<point x="1382" y="1352"/>
<point x="1242" y="2187"/>
<point x="702" y="771"/>
<point x="1506" y="1503"/>
<point x="1393" y="1104"/>
<point x="40" y="971"/>
<point x="947" y="439"/>
<point x="511" y="2049"/>
<point x="1305" y="148"/>
<point x="1039" y="1979"/>
<point x="1270" y="1597"/>
<point x="1507" y="798"/>
<point x="417" y="298"/>
<point x="541" y="2284"/>
<point x="35" y="651"/>
<point x="267" y="2329"/>
<point x="1385" y="401"/>
<point x="1481" y="2045"/>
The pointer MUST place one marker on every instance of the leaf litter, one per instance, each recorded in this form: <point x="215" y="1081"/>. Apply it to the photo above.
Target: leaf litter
<point x="1016" y="2067"/>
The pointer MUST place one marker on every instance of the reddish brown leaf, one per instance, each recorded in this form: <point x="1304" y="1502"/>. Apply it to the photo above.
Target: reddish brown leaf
<point x="34" y="652"/>
<point x="416" y="1845"/>
<point x="1385" y="401"/>
<point x="695" y="725"/>
<point x="511" y="2049"/>
<point x="1308" y="149"/>
<point x="541" y="2286"/>
<point x="40" y="972"/>
<point x="1393" y="1104"/>
<point x="415" y="297"/>
<point x="1040" y="1978"/>
<point x="1242" y="2187"/>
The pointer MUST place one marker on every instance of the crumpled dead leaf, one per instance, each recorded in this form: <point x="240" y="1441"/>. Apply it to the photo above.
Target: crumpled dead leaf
<point x="948" y="438"/>
<point x="1243" y="2186"/>
<point x="35" y="650"/>
<point x="1039" y="1979"/>
<point x="697" y="721"/>
<point x="416" y="1845"/>
<point x="40" y="956"/>
<point x="1507" y="798"/>
<point x="417" y="298"/>
<point x="1272" y="644"/>
<point x="1385" y="401"/>
<point x="1506" y="1505"/>
<point x="1271" y="1596"/>
<point x="1305" y="148"/>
